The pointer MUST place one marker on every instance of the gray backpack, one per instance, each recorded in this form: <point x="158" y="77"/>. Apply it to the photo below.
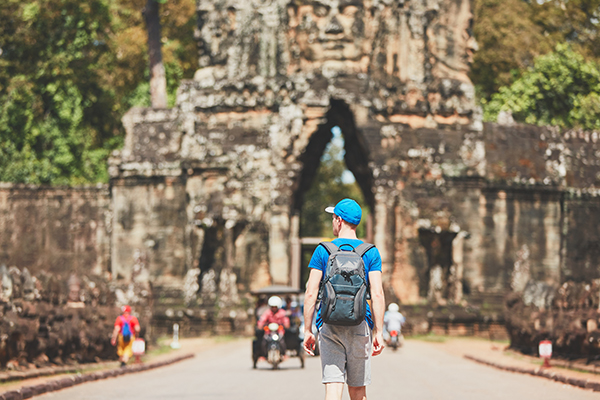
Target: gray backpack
<point x="344" y="290"/>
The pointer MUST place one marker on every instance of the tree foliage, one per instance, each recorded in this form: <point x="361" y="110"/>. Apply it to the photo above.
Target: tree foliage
<point x="56" y="121"/>
<point x="576" y="22"/>
<point x="512" y="33"/>
<point x="179" y="52"/>
<point x="69" y="70"/>
<point x="561" y="89"/>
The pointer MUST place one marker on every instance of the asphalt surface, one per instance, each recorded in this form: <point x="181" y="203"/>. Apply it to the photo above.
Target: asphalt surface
<point x="418" y="371"/>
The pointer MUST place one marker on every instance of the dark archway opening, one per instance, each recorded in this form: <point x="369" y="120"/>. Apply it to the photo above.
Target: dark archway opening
<point x="356" y="157"/>
<point x="312" y="228"/>
<point x="217" y="249"/>
<point x="212" y="249"/>
<point x="434" y="281"/>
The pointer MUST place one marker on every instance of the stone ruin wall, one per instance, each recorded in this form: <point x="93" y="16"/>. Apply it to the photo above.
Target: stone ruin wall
<point x="242" y="141"/>
<point x="55" y="230"/>
<point x="567" y="314"/>
<point x="457" y="204"/>
<point x="204" y="198"/>
<point x="57" y="300"/>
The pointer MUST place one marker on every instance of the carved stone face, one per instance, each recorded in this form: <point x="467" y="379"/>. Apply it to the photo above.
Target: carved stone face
<point x="329" y="33"/>
<point x="451" y="41"/>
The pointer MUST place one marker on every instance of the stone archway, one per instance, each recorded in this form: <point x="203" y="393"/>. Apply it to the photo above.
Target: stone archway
<point x="356" y="157"/>
<point x="243" y="142"/>
<point x="357" y="161"/>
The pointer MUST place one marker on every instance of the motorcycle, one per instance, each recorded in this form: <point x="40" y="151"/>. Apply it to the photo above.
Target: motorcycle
<point x="394" y="341"/>
<point x="272" y="349"/>
<point x="273" y="343"/>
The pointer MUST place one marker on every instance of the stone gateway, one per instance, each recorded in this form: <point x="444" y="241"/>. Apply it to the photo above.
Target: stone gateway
<point x="204" y="201"/>
<point x="216" y="183"/>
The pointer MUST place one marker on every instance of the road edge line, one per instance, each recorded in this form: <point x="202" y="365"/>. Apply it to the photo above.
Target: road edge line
<point x="541" y="372"/>
<point x="27" y="392"/>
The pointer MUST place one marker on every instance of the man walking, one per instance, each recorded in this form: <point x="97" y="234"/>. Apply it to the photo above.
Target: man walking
<point x="345" y="350"/>
<point x="127" y="328"/>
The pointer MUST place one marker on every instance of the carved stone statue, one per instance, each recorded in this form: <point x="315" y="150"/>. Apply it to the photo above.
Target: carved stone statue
<point x="451" y="41"/>
<point x="28" y="285"/>
<point x="329" y="34"/>
<point x="419" y="49"/>
<point x="74" y="285"/>
<point x="6" y="284"/>
<point x="227" y="287"/>
<point x="209" y="286"/>
<point x="15" y="276"/>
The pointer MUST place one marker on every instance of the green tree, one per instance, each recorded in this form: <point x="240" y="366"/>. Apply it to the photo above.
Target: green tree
<point x="576" y="22"/>
<point x="69" y="70"/>
<point x="511" y="33"/>
<point x="158" y="79"/>
<point x="508" y="40"/>
<point x="326" y="190"/>
<point x="561" y="89"/>
<point x="179" y="52"/>
<point x="57" y="122"/>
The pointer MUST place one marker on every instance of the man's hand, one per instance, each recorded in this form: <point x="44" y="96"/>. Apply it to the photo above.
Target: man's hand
<point x="378" y="343"/>
<point x="113" y="341"/>
<point x="309" y="342"/>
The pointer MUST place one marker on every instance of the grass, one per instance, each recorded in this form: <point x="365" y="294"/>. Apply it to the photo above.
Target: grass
<point x="571" y="369"/>
<point x="516" y="356"/>
<point x="225" y="338"/>
<point x="430" y="337"/>
<point x="433" y="338"/>
<point x="162" y="346"/>
<point x="505" y="342"/>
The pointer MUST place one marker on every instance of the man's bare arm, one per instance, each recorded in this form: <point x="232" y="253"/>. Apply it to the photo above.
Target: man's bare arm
<point x="115" y="335"/>
<point x="378" y="310"/>
<point x="310" y="300"/>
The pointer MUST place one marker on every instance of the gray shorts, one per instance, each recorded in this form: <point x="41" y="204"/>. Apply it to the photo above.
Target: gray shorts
<point x="346" y="354"/>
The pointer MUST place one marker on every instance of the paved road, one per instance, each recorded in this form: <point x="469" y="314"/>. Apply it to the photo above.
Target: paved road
<point x="419" y="371"/>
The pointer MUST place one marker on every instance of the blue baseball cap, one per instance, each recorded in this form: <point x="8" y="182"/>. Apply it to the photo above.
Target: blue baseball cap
<point x="348" y="210"/>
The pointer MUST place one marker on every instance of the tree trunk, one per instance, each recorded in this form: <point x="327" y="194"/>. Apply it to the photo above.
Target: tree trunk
<point x="158" y="79"/>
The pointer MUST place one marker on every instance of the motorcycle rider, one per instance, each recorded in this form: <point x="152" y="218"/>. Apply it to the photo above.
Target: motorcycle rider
<point x="392" y="321"/>
<point x="275" y="314"/>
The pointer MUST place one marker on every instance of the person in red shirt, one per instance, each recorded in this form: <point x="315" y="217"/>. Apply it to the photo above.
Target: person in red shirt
<point x="274" y="314"/>
<point x="127" y="327"/>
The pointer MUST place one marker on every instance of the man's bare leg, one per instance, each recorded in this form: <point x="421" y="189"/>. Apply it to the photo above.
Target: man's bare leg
<point x="334" y="390"/>
<point x="357" y="392"/>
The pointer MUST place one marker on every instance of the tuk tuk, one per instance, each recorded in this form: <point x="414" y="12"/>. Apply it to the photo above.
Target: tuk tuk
<point x="267" y="342"/>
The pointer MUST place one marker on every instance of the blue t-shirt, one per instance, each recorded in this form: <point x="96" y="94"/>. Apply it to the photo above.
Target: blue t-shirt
<point x="371" y="259"/>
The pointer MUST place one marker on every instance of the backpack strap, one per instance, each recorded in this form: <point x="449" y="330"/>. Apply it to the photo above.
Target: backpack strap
<point x="360" y="249"/>
<point x="330" y="247"/>
<point x="363" y="248"/>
